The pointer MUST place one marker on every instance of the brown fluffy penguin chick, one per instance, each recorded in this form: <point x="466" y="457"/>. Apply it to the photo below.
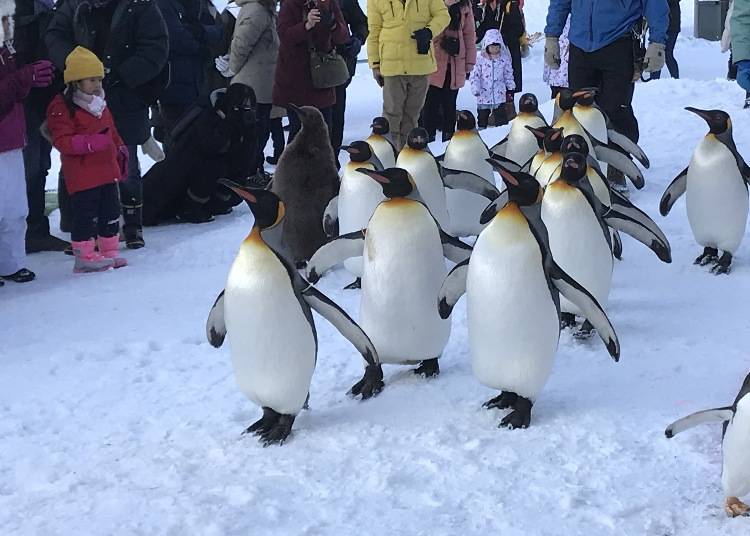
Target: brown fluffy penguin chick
<point x="305" y="180"/>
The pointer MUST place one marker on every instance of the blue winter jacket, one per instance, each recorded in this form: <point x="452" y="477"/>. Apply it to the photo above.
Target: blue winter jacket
<point x="595" y="24"/>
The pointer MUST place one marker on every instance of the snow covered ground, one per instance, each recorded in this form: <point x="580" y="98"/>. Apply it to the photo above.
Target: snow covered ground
<point x="117" y="417"/>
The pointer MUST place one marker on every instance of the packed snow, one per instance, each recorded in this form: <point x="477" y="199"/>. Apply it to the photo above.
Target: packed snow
<point x="117" y="416"/>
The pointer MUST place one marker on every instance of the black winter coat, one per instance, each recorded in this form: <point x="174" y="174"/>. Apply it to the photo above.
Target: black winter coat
<point x="190" y="37"/>
<point x="357" y="22"/>
<point x="134" y="51"/>
<point x="675" y="17"/>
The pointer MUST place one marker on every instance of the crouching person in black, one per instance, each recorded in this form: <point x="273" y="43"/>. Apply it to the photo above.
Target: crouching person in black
<point x="215" y="139"/>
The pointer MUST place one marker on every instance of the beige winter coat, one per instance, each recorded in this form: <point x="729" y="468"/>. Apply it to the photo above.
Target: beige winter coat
<point x="255" y="46"/>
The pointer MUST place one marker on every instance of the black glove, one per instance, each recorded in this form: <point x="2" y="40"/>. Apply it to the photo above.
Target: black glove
<point x="423" y="38"/>
<point x="451" y="45"/>
<point x="327" y="20"/>
<point x="351" y="48"/>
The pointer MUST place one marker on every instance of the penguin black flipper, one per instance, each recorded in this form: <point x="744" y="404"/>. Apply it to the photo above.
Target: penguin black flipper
<point x="616" y="244"/>
<point x="622" y="162"/>
<point x="335" y="252"/>
<point x="331" y="218"/>
<point x="673" y="192"/>
<point x="454" y="286"/>
<point x="453" y="249"/>
<point x="499" y="148"/>
<point x="700" y="417"/>
<point x="626" y="144"/>
<point x="471" y="182"/>
<point x="216" y="329"/>
<point x="497" y="161"/>
<point x="637" y="224"/>
<point x="493" y="208"/>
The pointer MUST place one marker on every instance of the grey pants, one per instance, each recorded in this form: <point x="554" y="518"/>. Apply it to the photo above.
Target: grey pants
<point x="403" y="98"/>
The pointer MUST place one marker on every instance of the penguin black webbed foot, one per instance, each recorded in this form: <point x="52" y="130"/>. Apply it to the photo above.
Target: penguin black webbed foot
<point x="266" y="422"/>
<point x="371" y="383"/>
<point x="357" y="283"/>
<point x="520" y="417"/>
<point x="300" y="265"/>
<point x="723" y="264"/>
<point x="505" y="400"/>
<point x="586" y="331"/>
<point x="567" y="320"/>
<point x="429" y="368"/>
<point x="279" y="432"/>
<point x="708" y="256"/>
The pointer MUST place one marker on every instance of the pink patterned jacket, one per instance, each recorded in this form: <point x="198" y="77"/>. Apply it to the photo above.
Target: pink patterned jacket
<point x="492" y="77"/>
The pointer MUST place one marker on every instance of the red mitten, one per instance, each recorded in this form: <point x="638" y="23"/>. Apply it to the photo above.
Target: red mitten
<point x="90" y="143"/>
<point x="43" y="73"/>
<point x="122" y="160"/>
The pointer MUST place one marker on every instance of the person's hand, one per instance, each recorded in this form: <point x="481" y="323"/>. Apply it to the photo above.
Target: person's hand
<point x="313" y="18"/>
<point x="377" y="76"/>
<point x="222" y="65"/>
<point x="423" y="37"/>
<point x="351" y="48"/>
<point x="327" y="19"/>
<point x="42" y="73"/>
<point x="743" y="74"/>
<point x="552" y="52"/>
<point x="653" y="61"/>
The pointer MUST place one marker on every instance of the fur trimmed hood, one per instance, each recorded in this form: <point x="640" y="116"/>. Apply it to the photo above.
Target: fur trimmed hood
<point x="7" y="9"/>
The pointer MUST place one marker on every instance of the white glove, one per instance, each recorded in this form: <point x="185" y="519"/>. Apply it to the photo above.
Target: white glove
<point x="222" y="65"/>
<point x="151" y="149"/>
<point x="552" y="52"/>
<point x="654" y="59"/>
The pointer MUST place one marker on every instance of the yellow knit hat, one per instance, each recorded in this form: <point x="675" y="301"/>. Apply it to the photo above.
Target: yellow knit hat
<point x="81" y="64"/>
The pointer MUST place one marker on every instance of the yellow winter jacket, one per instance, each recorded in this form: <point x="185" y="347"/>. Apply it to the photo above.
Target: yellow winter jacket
<point x="390" y="45"/>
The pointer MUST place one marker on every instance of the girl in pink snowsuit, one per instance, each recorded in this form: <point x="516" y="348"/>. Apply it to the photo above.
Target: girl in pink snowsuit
<point x="491" y="79"/>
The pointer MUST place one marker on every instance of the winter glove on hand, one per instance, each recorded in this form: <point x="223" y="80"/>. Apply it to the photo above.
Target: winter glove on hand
<point x="222" y="65"/>
<point x="743" y="74"/>
<point x="327" y="20"/>
<point x="351" y="48"/>
<point x="122" y="161"/>
<point x="90" y="143"/>
<point x="552" y="52"/>
<point x="151" y="149"/>
<point x="377" y="76"/>
<point x="423" y="37"/>
<point x="42" y="73"/>
<point x="654" y="59"/>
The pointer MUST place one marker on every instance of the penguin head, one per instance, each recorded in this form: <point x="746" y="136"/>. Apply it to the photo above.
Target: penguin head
<point x="523" y="189"/>
<point x="539" y="134"/>
<point x="718" y="120"/>
<point x="395" y="182"/>
<point x="380" y="126"/>
<point x="309" y="116"/>
<point x="552" y="141"/>
<point x="575" y="143"/>
<point x="359" y="151"/>
<point x="465" y="120"/>
<point x="418" y="139"/>
<point x="574" y="168"/>
<point x="528" y="103"/>
<point x="585" y="97"/>
<point x="565" y="99"/>
<point x="265" y="205"/>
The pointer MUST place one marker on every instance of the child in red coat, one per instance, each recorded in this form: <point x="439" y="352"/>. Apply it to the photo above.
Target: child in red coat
<point x="94" y="159"/>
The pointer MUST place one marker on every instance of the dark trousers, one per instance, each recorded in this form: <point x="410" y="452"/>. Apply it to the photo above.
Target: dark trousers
<point x="131" y="191"/>
<point x="96" y="212"/>
<point x="499" y="116"/>
<point x="731" y="68"/>
<point x="170" y="114"/>
<point x="337" y="120"/>
<point x="439" y="112"/>
<point x="36" y="160"/>
<point x="674" y="69"/>
<point x="295" y="125"/>
<point x="263" y="129"/>
<point x="277" y="136"/>
<point x="610" y="69"/>
<point x="555" y="90"/>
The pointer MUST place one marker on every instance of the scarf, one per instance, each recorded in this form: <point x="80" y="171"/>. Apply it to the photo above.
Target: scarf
<point x="93" y="104"/>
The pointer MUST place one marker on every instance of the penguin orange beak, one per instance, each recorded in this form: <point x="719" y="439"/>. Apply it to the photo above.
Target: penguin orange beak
<point x="375" y="175"/>
<point x="241" y="191"/>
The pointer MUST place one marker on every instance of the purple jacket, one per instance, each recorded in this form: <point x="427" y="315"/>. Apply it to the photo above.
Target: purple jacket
<point x="15" y="85"/>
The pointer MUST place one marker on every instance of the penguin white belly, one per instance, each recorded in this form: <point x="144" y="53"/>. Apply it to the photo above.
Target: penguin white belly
<point x="512" y="320"/>
<point x="716" y="197"/>
<point x="600" y="188"/>
<point x="735" y="475"/>
<point x="570" y="126"/>
<point x="467" y="152"/>
<point x="522" y="144"/>
<point x="403" y="272"/>
<point x="593" y="121"/>
<point x="272" y="344"/>
<point x="383" y="150"/>
<point x="577" y="242"/>
<point x="423" y="168"/>
<point x="359" y="196"/>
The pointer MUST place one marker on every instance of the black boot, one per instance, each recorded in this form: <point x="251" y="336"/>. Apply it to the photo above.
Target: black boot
<point x="46" y="242"/>
<point x="194" y="210"/>
<point x="131" y="200"/>
<point x="500" y="115"/>
<point x="63" y="202"/>
<point x="483" y="117"/>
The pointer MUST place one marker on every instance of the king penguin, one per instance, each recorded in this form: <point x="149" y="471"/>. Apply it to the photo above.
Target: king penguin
<point x="579" y="238"/>
<point x="716" y="182"/>
<point x="403" y="252"/>
<point x="520" y="144"/>
<point x="466" y="152"/>
<point x="735" y="446"/>
<point x="417" y="159"/>
<point x="546" y="163"/>
<point x="513" y="286"/>
<point x="266" y="310"/>
<point x="381" y="142"/>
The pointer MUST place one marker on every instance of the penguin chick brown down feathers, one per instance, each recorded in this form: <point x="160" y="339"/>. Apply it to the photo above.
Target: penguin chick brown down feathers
<point x="265" y="309"/>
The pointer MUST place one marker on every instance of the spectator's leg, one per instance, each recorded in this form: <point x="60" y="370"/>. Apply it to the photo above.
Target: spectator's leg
<point x="13" y="211"/>
<point x="731" y="68"/>
<point x="674" y="69"/>
<point x="277" y="135"/>
<point x="170" y="115"/>
<point x="85" y="206"/>
<point x="63" y="203"/>
<point x="430" y="111"/>
<point x="131" y="198"/>
<point x="616" y="65"/>
<point x="483" y="117"/>
<point x="394" y="103"/>
<point x="337" y="125"/>
<point x="263" y="130"/>
<point x="108" y="223"/>
<point x="294" y="125"/>
<point x="581" y="70"/>
<point x="36" y="159"/>
<point x="416" y="91"/>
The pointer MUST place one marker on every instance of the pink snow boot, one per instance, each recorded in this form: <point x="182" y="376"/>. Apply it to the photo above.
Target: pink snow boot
<point x="109" y="248"/>
<point x="88" y="260"/>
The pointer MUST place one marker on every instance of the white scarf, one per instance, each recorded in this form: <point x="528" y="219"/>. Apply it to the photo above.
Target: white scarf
<point x="93" y="104"/>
